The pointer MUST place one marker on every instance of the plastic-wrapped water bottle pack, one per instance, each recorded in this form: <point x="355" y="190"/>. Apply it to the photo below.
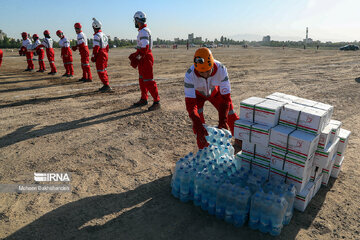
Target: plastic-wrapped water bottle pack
<point x="212" y="179"/>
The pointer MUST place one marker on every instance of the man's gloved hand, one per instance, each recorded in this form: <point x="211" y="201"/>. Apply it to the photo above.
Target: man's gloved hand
<point x="200" y="136"/>
<point x="223" y="125"/>
<point x="93" y="59"/>
<point x="74" y="48"/>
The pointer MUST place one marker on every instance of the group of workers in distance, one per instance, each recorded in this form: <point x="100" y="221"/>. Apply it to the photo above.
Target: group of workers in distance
<point x="206" y="80"/>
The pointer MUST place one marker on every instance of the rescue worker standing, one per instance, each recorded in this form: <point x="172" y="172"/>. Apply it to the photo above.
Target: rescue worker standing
<point x="66" y="54"/>
<point x="26" y="43"/>
<point x="82" y="45"/>
<point x="40" y="52"/>
<point x="143" y="59"/>
<point x="50" y="53"/>
<point x="100" y="55"/>
<point x="207" y="80"/>
<point x="1" y="56"/>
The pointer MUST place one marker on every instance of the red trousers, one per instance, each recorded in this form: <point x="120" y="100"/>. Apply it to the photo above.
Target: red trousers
<point x="51" y="57"/>
<point x="41" y="56"/>
<point x="29" y="57"/>
<point x="215" y="99"/>
<point x="85" y="65"/>
<point x="101" y="65"/>
<point x="67" y="60"/>
<point x="1" y="56"/>
<point x="146" y="77"/>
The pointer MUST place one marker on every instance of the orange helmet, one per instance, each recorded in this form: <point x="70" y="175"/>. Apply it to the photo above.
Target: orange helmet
<point x="203" y="60"/>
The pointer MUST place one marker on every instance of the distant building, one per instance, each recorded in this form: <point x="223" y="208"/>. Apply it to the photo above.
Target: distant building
<point x="266" y="38"/>
<point x="2" y="35"/>
<point x="116" y="39"/>
<point x="191" y="37"/>
<point x="198" y="39"/>
<point x="307" y="39"/>
<point x="176" y="39"/>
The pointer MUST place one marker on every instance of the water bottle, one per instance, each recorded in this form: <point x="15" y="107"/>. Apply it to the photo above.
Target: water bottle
<point x="255" y="210"/>
<point x="266" y="212"/>
<point x="230" y="205"/>
<point x="277" y="215"/>
<point x="197" y="188"/>
<point x="205" y="194"/>
<point x="289" y="195"/>
<point x="185" y="187"/>
<point x="212" y="196"/>
<point x="192" y="183"/>
<point x="242" y="209"/>
<point x="176" y="185"/>
<point x="221" y="200"/>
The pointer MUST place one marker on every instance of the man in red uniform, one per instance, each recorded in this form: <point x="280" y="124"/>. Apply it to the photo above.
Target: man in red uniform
<point x="66" y="54"/>
<point x="48" y="44"/>
<point x="84" y="53"/>
<point x="100" y="55"/>
<point x="40" y="52"/>
<point x="1" y="56"/>
<point x="208" y="80"/>
<point x="143" y="59"/>
<point x="26" y="43"/>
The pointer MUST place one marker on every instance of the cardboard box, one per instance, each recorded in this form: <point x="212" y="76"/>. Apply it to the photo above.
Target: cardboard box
<point x="317" y="185"/>
<point x="277" y="160"/>
<point x="312" y="120"/>
<point x="260" y="134"/>
<point x="268" y="112"/>
<point x="337" y="168"/>
<point x="277" y="94"/>
<point x="305" y="102"/>
<point x="248" y="148"/>
<point x="242" y="129"/>
<point x="328" y="108"/>
<point x="302" y="144"/>
<point x="245" y="161"/>
<point x="303" y="198"/>
<point x="298" y="171"/>
<point x="277" y="175"/>
<point x="325" y="137"/>
<point x="323" y="157"/>
<point x="290" y="114"/>
<point x="316" y="171"/>
<point x="279" y="137"/>
<point x="343" y="142"/>
<point x="290" y="97"/>
<point x="335" y="129"/>
<point x="279" y="99"/>
<point x="263" y="152"/>
<point x="247" y="107"/>
<point x="326" y="172"/>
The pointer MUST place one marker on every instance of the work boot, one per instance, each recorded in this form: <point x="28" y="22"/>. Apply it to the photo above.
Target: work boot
<point x="40" y="71"/>
<point x="52" y="73"/>
<point x="141" y="102"/>
<point x="81" y="80"/>
<point x="87" y="80"/>
<point x="105" y="88"/>
<point x="65" y="75"/>
<point x="69" y="75"/>
<point x="155" y="106"/>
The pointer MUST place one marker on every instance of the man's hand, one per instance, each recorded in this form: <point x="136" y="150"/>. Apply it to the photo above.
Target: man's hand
<point x="200" y="136"/>
<point x="223" y="125"/>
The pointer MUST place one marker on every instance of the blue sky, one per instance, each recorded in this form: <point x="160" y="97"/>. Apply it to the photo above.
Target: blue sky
<point x="332" y="20"/>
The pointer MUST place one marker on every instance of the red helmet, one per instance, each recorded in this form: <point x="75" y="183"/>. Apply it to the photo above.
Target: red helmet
<point x="77" y="25"/>
<point x="46" y="32"/>
<point x="59" y="32"/>
<point x="24" y="34"/>
<point x="35" y="36"/>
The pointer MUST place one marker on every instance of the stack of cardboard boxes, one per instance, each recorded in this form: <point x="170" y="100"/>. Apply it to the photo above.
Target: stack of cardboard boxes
<point x="291" y="139"/>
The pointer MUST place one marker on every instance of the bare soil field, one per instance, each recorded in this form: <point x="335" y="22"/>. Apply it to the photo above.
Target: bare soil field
<point x="120" y="158"/>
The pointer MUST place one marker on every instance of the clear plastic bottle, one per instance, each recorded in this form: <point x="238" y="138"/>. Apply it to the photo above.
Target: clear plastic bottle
<point x="197" y="188"/>
<point x="185" y="186"/>
<point x="277" y="215"/>
<point x="242" y="208"/>
<point x="266" y="212"/>
<point x="289" y="195"/>
<point x="176" y="184"/>
<point x="205" y="193"/>
<point x="230" y="205"/>
<point x="212" y="196"/>
<point x="221" y="200"/>
<point x="255" y="210"/>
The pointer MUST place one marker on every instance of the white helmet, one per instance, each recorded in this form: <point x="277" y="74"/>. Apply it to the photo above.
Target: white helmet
<point x="96" y="23"/>
<point x="140" y="16"/>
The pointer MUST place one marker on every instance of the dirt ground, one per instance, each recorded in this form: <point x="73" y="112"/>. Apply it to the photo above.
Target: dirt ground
<point x="120" y="158"/>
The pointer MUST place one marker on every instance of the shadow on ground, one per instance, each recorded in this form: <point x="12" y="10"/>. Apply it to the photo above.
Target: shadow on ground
<point x="26" y="132"/>
<point x="149" y="212"/>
